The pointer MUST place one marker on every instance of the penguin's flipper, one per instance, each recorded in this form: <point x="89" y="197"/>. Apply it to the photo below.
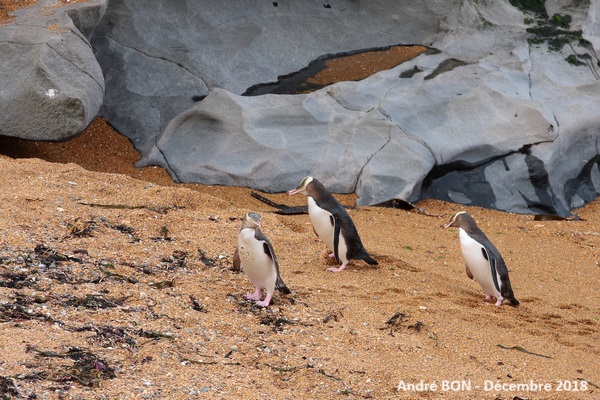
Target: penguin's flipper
<point x="237" y="262"/>
<point x="489" y="255"/>
<point x="469" y="273"/>
<point x="505" y="288"/>
<point x="268" y="248"/>
<point x="337" y="227"/>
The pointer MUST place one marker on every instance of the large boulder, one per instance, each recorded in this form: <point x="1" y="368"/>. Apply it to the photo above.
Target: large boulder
<point x="157" y="57"/>
<point x="51" y="83"/>
<point x="497" y="118"/>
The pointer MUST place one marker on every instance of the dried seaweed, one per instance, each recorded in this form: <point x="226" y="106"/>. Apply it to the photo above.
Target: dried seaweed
<point x="118" y="276"/>
<point x="94" y="302"/>
<point x="335" y="315"/>
<point x="394" y="324"/>
<point x="209" y="262"/>
<point x="81" y="228"/>
<point x="17" y="312"/>
<point x="162" y="284"/>
<point x="49" y="256"/>
<point x="157" y="209"/>
<point x="88" y="369"/>
<point x="164" y="235"/>
<point x="177" y="259"/>
<point x="521" y="349"/>
<point x="275" y="322"/>
<point x="109" y="336"/>
<point x="196" y="305"/>
<point x="8" y="390"/>
<point x="153" y="335"/>
<point x="17" y="280"/>
<point x="126" y="230"/>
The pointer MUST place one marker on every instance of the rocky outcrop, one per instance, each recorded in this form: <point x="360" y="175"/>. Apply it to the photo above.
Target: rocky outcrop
<point x="51" y="86"/>
<point x="502" y="115"/>
<point x="495" y="119"/>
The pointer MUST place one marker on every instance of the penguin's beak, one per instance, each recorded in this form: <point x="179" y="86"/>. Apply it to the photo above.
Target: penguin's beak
<point x="293" y="191"/>
<point x="448" y="224"/>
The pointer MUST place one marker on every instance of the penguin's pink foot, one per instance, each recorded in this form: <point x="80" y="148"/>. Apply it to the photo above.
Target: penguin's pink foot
<point x="487" y="297"/>
<point x="341" y="268"/>
<point x="499" y="303"/>
<point x="253" y="296"/>
<point x="331" y="255"/>
<point x="265" y="302"/>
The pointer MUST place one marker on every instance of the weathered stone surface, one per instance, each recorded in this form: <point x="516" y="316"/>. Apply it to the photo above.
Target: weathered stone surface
<point x="51" y="85"/>
<point x="157" y="56"/>
<point x="488" y="121"/>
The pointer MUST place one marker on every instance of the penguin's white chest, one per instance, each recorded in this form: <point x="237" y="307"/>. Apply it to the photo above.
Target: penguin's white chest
<point x="257" y="264"/>
<point x="322" y="222"/>
<point x="479" y="266"/>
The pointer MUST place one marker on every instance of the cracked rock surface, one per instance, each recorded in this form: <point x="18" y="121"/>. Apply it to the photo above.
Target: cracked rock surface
<point x="489" y="120"/>
<point x="493" y="116"/>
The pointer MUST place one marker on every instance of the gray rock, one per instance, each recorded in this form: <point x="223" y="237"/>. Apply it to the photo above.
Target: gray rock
<point x="491" y="120"/>
<point x="157" y="56"/>
<point x="51" y="85"/>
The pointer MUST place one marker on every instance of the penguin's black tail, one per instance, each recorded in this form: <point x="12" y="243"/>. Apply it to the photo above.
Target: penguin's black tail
<point x="508" y="293"/>
<point x="368" y="259"/>
<point x="281" y="286"/>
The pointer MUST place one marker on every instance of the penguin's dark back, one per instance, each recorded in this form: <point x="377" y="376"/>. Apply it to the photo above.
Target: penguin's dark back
<point x="325" y="200"/>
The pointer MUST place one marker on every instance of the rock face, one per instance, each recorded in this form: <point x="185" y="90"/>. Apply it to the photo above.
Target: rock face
<point x="51" y="86"/>
<point x="157" y="56"/>
<point x="494" y="119"/>
<point x="504" y="115"/>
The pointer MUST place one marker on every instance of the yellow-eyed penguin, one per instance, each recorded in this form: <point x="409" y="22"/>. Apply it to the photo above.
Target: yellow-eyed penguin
<point x="258" y="261"/>
<point x="332" y="224"/>
<point x="484" y="263"/>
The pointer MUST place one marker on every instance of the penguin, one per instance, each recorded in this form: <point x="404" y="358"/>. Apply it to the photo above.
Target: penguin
<point x="258" y="261"/>
<point x="484" y="263"/>
<point x="332" y="224"/>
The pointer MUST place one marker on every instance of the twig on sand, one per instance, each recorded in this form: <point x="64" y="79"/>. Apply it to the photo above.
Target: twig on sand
<point x="519" y="348"/>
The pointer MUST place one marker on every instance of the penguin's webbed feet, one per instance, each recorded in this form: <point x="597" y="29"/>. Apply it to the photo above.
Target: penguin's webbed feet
<point x="341" y="268"/>
<point x="253" y="296"/>
<point x="265" y="302"/>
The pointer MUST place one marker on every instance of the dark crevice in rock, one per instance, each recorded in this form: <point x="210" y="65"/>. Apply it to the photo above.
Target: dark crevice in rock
<point x="547" y="202"/>
<point x="582" y="185"/>
<point x="300" y="81"/>
<point x="450" y="181"/>
<point x="66" y="59"/>
<point x="407" y="134"/>
<point x="445" y="66"/>
<point x="359" y="174"/>
<point x="169" y="169"/>
<point x="180" y="65"/>
<point x="409" y="73"/>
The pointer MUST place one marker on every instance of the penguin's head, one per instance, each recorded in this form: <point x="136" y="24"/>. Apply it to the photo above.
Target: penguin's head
<point x="252" y="220"/>
<point x="456" y="220"/>
<point x="302" y="187"/>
